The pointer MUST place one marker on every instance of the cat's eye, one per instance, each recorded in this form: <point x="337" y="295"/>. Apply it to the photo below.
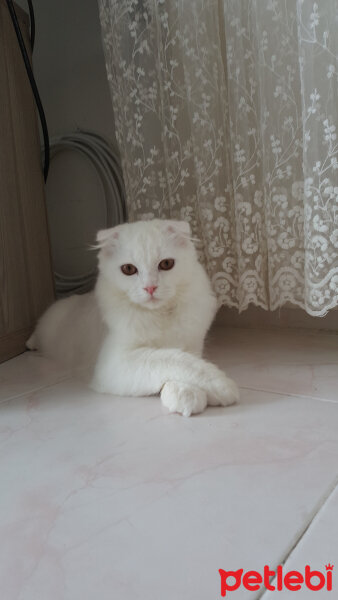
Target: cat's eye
<point x="166" y="264"/>
<point x="128" y="269"/>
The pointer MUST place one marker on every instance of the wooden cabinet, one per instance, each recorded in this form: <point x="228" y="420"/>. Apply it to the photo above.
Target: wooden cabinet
<point x="26" y="281"/>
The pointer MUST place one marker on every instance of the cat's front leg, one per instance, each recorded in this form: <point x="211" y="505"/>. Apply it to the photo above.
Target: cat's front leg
<point x="183" y="398"/>
<point x="146" y="371"/>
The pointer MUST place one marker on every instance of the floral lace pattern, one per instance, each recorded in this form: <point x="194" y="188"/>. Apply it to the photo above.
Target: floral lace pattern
<point x="226" y="115"/>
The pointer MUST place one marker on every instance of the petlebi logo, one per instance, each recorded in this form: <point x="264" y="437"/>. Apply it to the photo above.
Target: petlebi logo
<point x="277" y="580"/>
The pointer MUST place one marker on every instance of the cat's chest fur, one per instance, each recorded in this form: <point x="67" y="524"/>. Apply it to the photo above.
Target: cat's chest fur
<point x="166" y="327"/>
<point x="173" y="326"/>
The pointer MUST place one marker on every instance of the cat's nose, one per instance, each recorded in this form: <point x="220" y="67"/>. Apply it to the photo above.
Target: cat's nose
<point x="150" y="289"/>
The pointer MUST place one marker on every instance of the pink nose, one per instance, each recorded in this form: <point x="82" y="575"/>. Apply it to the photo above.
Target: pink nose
<point x="150" y="289"/>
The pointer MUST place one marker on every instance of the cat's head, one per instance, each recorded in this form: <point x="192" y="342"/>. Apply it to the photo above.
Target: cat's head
<point x="147" y="260"/>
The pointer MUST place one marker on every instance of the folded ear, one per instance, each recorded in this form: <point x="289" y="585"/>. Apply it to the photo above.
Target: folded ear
<point x="179" y="230"/>
<point x="107" y="238"/>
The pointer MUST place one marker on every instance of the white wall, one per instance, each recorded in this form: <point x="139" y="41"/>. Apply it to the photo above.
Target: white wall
<point x="69" y="66"/>
<point x="71" y="76"/>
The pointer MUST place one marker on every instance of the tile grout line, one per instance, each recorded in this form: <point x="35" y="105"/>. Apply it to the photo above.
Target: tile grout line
<point x="288" y="394"/>
<point x="303" y="533"/>
<point x="34" y="390"/>
<point x="241" y="387"/>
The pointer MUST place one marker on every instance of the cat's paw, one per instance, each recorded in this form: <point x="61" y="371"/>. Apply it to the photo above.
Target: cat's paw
<point x="222" y="391"/>
<point x="184" y="399"/>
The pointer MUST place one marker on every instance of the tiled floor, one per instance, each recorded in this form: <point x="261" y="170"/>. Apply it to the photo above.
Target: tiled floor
<point x="111" y="498"/>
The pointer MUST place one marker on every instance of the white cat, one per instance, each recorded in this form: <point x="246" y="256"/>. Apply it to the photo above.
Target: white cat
<point x="144" y="325"/>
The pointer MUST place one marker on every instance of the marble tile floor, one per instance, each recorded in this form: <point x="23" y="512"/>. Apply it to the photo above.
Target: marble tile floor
<point x="111" y="498"/>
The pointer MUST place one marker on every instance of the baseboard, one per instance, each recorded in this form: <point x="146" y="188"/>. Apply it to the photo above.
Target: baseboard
<point x="14" y="343"/>
<point x="286" y="317"/>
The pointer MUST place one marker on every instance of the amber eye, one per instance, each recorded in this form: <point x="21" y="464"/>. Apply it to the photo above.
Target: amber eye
<point x="128" y="269"/>
<point x="166" y="264"/>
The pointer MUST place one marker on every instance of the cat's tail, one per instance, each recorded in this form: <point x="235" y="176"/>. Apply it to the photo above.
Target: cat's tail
<point x="32" y="342"/>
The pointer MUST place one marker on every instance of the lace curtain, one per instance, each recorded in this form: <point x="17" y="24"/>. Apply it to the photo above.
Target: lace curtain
<point x="226" y="115"/>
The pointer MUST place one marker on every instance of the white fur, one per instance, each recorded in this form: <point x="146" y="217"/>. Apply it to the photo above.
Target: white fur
<point x="142" y="345"/>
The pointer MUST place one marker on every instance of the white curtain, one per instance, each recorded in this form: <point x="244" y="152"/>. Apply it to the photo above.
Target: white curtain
<point x="226" y="115"/>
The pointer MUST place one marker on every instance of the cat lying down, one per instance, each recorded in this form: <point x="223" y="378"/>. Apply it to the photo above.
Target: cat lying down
<point x="144" y="325"/>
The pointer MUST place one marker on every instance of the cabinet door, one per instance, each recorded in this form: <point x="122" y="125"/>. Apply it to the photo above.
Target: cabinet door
<point x="26" y="281"/>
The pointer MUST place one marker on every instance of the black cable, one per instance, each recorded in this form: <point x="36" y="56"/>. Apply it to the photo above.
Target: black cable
<point x="32" y="82"/>
<point x="32" y="22"/>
